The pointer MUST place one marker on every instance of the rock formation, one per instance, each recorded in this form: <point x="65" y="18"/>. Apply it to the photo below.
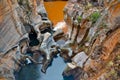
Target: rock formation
<point x="93" y="32"/>
<point x="17" y="18"/>
<point x="34" y="33"/>
<point x="91" y="48"/>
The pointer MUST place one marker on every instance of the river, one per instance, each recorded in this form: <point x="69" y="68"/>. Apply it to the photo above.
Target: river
<point x="55" y="10"/>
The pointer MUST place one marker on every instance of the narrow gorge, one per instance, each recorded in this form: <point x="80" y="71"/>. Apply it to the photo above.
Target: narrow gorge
<point x="59" y="39"/>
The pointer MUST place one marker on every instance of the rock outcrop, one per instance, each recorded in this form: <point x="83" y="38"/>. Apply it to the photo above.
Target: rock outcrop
<point x="16" y="19"/>
<point x="93" y="41"/>
<point x="29" y="30"/>
<point x="94" y="30"/>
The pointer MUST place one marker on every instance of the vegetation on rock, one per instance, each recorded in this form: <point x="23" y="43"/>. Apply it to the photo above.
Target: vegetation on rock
<point x="94" y="16"/>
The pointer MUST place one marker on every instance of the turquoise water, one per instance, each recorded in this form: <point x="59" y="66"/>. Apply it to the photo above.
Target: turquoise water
<point x="54" y="72"/>
<point x="33" y="72"/>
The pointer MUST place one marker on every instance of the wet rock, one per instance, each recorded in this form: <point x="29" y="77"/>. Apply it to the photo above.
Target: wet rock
<point x="58" y="34"/>
<point x="73" y="74"/>
<point x="66" y="54"/>
<point x="49" y="47"/>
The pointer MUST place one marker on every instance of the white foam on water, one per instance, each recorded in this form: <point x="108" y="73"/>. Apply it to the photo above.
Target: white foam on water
<point x="60" y="25"/>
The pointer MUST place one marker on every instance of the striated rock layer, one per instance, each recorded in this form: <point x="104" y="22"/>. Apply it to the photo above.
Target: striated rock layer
<point x="16" y="17"/>
<point x="94" y="32"/>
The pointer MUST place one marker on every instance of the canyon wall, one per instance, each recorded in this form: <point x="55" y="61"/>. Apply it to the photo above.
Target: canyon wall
<point x="16" y="17"/>
<point x="11" y="29"/>
<point x="93" y="27"/>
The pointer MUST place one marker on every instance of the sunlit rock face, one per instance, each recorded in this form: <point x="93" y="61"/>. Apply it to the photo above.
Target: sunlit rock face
<point x="10" y="26"/>
<point x="97" y="48"/>
<point x="15" y="15"/>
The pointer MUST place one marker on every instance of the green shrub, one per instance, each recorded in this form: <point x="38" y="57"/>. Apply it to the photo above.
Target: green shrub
<point x="79" y="19"/>
<point x="94" y="16"/>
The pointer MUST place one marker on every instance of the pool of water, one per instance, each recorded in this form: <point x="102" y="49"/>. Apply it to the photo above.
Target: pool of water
<point x="55" y="10"/>
<point x="33" y="72"/>
<point x="55" y="71"/>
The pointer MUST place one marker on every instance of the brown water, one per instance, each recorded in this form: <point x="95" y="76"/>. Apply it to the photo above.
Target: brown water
<point x="55" y="13"/>
<point x="55" y="10"/>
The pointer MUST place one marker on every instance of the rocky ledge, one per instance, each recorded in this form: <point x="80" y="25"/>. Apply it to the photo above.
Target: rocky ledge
<point x="93" y="34"/>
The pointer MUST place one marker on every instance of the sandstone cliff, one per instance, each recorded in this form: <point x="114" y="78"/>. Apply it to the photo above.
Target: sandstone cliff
<point x="93" y="32"/>
<point x="16" y="16"/>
